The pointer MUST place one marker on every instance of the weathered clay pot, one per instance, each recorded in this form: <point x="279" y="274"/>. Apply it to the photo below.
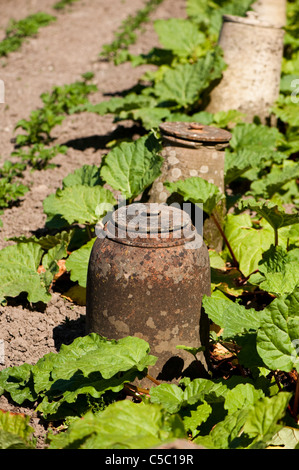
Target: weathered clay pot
<point x="272" y="11"/>
<point x="191" y="149"/>
<point x="253" y="50"/>
<point x="150" y="284"/>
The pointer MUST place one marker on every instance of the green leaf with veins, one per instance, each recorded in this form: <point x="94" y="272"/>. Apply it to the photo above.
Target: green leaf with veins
<point x="87" y="175"/>
<point x="276" y="216"/>
<point x="132" y="166"/>
<point x="18" y="272"/>
<point x="277" y="337"/>
<point x="197" y="190"/>
<point x="273" y="181"/>
<point x="184" y="83"/>
<point x="78" y="204"/>
<point x="247" y="242"/>
<point x="278" y="271"/>
<point x="145" y="425"/>
<point x="77" y="263"/>
<point x="179" y="35"/>
<point x="232" y="317"/>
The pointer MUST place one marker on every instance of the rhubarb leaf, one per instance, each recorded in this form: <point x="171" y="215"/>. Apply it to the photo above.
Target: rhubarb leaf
<point x="18" y="273"/>
<point x="184" y="83"/>
<point x="277" y="337"/>
<point x="180" y="36"/>
<point x="122" y="425"/>
<point x="234" y="318"/>
<point x="77" y="263"/>
<point x="275" y="215"/>
<point x="77" y="204"/>
<point x="198" y="191"/>
<point x="132" y="166"/>
<point x="247" y="242"/>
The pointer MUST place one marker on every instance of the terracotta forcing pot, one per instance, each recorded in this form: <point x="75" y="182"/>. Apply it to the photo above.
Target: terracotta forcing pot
<point x="147" y="274"/>
<point x="253" y="51"/>
<point x="192" y="149"/>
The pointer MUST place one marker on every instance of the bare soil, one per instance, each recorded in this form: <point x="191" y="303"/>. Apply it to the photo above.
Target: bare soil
<point x="58" y="55"/>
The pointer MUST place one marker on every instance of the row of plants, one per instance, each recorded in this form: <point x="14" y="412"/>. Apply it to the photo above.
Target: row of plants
<point x="41" y="121"/>
<point x="33" y="145"/>
<point x="18" y="31"/>
<point x="251" y="398"/>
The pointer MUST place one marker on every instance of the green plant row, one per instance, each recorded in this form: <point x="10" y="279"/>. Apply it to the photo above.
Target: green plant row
<point x="37" y="129"/>
<point x="17" y="31"/>
<point x="126" y="34"/>
<point x="33" y="146"/>
<point x="255" y="282"/>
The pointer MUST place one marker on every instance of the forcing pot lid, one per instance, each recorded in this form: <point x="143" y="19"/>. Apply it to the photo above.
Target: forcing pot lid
<point x="150" y="224"/>
<point x="252" y="18"/>
<point x="195" y="132"/>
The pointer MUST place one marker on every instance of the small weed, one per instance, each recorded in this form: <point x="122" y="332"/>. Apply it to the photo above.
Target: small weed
<point x="38" y="156"/>
<point x="17" y="31"/>
<point x="63" y="3"/>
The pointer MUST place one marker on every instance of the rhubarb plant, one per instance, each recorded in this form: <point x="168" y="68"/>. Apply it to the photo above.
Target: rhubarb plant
<point x="18" y="31"/>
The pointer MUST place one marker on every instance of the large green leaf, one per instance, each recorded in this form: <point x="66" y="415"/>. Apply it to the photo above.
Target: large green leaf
<point x="122" y="425"/>
<point x="277" y="337"/>
<point x="282" y="282"/>
<point x="79" y="204"/>
<point x="77" y="263"/>
<point x="89" y="367"/>
<point x="247" y="243"/>
<point x="87" y="175"/>
<point x="256" y="136"/>
<point x="18" y="272"/>
<point x="90" y="354"/>
<point x="250" y="427"/>
<point x="252" y="146"/>
<point x="276" y="216"/>
<point x="225" y="434"/>
<point x="16" y="381"/>
<point x="184" y="83"/>
<point x="242" y="396"/>
<point x="198" y="191"/>
<point x="179" y="35"/>
<point x="266" y="187"/>
<point x="238" y="162"/>
<point x="234" y="318"/>
<point x="172" y="397"/>
<point x="132" y="166"/>
<point x="263" y="420"/>
<point x="15" y="431"/>
<point x="169" y="395"/>
<point x="279" y="270"/>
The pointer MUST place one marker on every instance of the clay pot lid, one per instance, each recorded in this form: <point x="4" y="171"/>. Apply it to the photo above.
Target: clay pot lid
<point x="150" y="224"/>
<point x="195" y="132"/>
<point x="150" y="218"/>
<point x="251" y="19"/>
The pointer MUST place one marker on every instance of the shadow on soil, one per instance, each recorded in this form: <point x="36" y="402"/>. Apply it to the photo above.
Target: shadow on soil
<point x="99" y="142"/>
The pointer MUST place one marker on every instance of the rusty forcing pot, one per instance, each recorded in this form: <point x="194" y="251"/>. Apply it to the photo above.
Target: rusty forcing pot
<point x="192" y="149"/>
<point x="148" y="271"/>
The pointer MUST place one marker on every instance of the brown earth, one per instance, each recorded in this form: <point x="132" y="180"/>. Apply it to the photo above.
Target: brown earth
<point x="58" y="55"/>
